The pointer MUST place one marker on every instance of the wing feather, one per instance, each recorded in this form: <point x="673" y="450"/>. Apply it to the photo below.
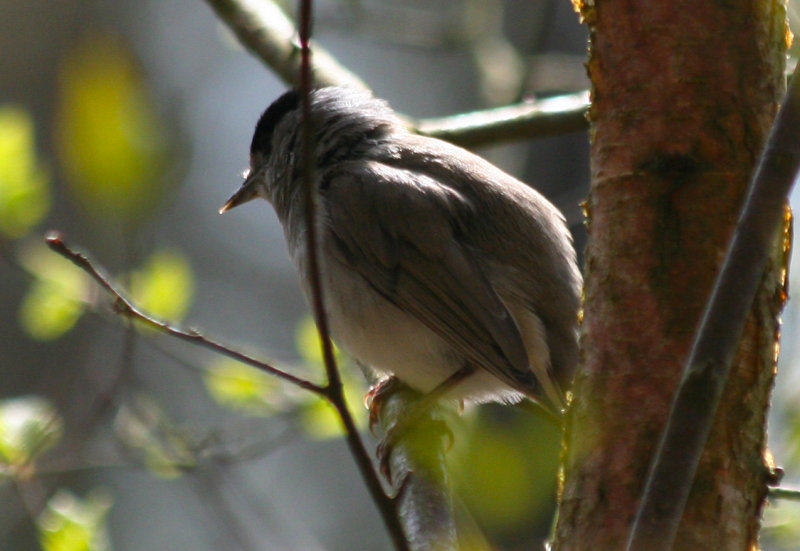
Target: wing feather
<point x="405" y="246"/>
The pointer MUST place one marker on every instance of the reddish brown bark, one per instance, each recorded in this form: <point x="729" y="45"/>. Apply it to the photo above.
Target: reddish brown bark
<point x="684" y="93"/>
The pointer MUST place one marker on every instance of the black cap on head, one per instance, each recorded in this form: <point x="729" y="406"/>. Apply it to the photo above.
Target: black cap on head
<point x="262" y="137"/>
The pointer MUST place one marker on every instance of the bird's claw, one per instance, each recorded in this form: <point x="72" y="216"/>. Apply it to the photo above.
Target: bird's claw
<point x="375" y="398"/>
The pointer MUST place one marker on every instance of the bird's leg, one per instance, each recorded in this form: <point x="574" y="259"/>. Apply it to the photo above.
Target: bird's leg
<point x="416" y="416"/>
<point x="377" y="395"/>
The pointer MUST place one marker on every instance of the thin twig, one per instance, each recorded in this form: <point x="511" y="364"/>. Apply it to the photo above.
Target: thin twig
<point x="335" y="392"/>
<point x="125" y="307"/>
<point x="706" y="372"/>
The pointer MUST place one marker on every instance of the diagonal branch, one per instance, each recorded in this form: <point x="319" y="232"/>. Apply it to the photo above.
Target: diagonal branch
<point x="126" y="308"/>
<point x="263" y="28"/>
<point x="335" y="392"/>
<point x="332" y="393"/>
<point x="706" y="371"/>
<point x="269" y="35"/>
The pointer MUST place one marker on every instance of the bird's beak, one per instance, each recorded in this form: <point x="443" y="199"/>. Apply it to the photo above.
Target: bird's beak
<point x="245" y="193"/>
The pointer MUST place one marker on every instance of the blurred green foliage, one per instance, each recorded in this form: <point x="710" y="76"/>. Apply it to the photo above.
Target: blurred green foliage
<point x="243" y="388"/>
<point x="492" y="475"/>
<point x="55" y="300"/>
<point x="70" y="523"/>
<point x="114" y="151"/>
<point x="503" y="467"/>
<point x="24" y="181"/>
<point x="112" y="144"/>
<point x="253" y="392"/>
<point x="58" y="295"/>
<point x="317" y="416"/>
<point x="164" y="286"/>
<point x="780" y="528"/>
<point x="308" y="345"/>
<point x="29" y="426"/>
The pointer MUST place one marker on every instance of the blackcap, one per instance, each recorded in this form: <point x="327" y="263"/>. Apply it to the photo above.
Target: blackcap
<point x="437" y="267"/>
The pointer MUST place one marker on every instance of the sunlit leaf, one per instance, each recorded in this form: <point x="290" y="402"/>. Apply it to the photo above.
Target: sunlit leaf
<point x="241" y="387"/>
<point x="320" y="420"/>
<point x="318" y="417"/>
<point x="70" y="523"/>
<point x="306" y="339"/>
<point x="143" y="426"/>
<point x="54" y="301"/>
<point x="29" y="426"/>
<point x="47" y="312"/>
<point x="24" y="182"/>
<point x="164" y="286"/>
<point x="113" y="146"/>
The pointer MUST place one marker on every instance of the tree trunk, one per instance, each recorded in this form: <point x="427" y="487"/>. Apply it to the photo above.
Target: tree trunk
<point x="684" y="93"/>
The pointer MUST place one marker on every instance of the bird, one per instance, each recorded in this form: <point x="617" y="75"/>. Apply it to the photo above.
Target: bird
<point x="437" y="268"/>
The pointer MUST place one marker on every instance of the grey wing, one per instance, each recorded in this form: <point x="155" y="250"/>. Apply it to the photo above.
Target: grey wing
<point x="397" y="229"/>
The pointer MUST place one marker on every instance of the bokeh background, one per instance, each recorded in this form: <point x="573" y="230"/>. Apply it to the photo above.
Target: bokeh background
<point x="124" y="125"/>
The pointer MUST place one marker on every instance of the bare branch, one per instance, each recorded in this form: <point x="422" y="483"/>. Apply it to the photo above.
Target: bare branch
<point x="532" y="119"/>
<point x="269" y="34"/>
<point x="789" y="494"/>
<point x="332" y="393"/>
<point x="125" y="307"/>
<point x="706" y="370"/>
<point x="335" y="392"/>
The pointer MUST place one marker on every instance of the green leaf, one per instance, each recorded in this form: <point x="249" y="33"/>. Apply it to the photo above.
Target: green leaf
<point x="47" y="312"/>
<point x="319" y="418"/>
<point x="308" y="344"/>
<point x="164" y="286"/>
<point x="54" y="301"/>
<point x="24" y="182"/>
<point x="239" y="386"/>
<point x="112" y="144"/>
<point x="70" y="523"/>
<point x="29" y="426"/>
